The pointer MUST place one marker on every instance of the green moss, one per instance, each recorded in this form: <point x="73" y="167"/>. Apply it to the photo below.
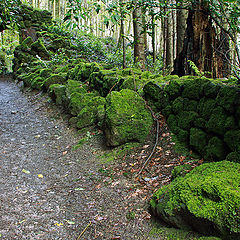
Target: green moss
<point x="210" y="89"/>
<point x="75" y="86"/>
<point x="172" y="123"/>
<point x="38" y="48"/>
<point x="180" y="171"/>
<point x="91" y="114"/>
<point x="37" y="83"/>
<point x="127" y="118"/>
<point x="54" y="79"/>
<point x="198" y="139"/>
<point x="186" y="119"/>
<point x="192" y="89"/>
<point x="200" y="123"/>
<point x="79" y="101"/>
<point x="28" y="79"/>
<point x="45" y="72"/>
<point x="227" y="97"/>
<point x="190" y="105"/>
<point x="206" y="199"/>
<point x="131" y="71"/>
<point x="233" y="157"/>
<point x="173" y="89"/>
<point x="167" y="111"/>
<point x="232" y="139"/>
<point x="206" y="107"/>
<point x="134" y="83"/>
<point x="183" y="136"/>
<point x="215" y="150"/>
<point x="177" y="105"/>
<point x="58" y="93"/>
<point x="154" y="91"/>
<point x="58" y="43"/>
<point x="220" y="122"/>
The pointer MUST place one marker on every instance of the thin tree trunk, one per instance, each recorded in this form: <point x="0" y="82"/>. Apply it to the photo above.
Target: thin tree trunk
<point x="139" y="46"/>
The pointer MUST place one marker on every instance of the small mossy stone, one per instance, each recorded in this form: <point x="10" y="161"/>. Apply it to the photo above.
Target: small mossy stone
<point x="180" y="171"/>
<point x="75" y="86"/>
<point x="186" y="119"/>
<point x="206" y="199"/>
<point x="233" y="157"/>
<point x="127" y="118"/>
<point x="37" y="83"/>
<point x="177" y="105"/>
<point x="220" y="122"/>
<point x="227" y="97"/>
<point x="232" y="139"/>
<point x="215" y="150"/>
<point x="131" y="71"/>
<point x="198" y="139"/>
<point x="38" y="48"/>
<point x="45" y="72"/>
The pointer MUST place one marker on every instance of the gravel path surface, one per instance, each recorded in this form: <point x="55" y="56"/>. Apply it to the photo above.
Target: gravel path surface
<point x="47" y="190"/>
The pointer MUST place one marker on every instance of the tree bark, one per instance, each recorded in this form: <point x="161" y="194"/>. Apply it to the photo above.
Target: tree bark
<point x="138" y="29"/>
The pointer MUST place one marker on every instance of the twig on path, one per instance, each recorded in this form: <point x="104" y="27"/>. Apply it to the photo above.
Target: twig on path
<point x="89" y="224"/>
<point x="154" y="148"/>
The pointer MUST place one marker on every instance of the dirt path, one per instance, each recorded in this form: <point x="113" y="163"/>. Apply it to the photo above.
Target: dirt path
<point x="47" y="190"/>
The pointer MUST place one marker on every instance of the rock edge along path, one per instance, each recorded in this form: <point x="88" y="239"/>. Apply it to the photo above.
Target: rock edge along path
<point x="47" y="190"/>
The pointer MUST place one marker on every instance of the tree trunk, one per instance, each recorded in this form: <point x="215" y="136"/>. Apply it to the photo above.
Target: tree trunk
<point x="169" y="43"/>
<point x="138" y="29"/>
<point x="198" y="42"/>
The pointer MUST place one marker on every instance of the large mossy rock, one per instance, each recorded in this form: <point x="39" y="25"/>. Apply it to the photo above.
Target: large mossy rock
<point x="127" y="118"/>
<point x="207" y="200"/>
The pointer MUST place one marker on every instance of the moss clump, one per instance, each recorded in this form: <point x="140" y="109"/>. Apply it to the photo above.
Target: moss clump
<point x="215" y="150"/>
<point x="92" y="113"/>
<point x="54" y="79"/>
<point x="190" y="105"/>
<point x="177" y="105"/>
<point x="186" y="119"/>
<point x="207" y="199"/>
<point x="180" y="171"/>
<point x="206" y="107"/>
<point x="45" y="72"/>
<point x="233" y="157"/>
<point x="173" y="89"/>
<point x="210" y="89"/>
<point x="38" y="48"/>
<point x="79" y="101"/>
<point x="193" y="88"/>
<point x="75" y="86"/>
<point x="232" y="139"/>
<point x="37" y="83"/>
<point x="220" y="122"/>
<point x="198" y="139"/>
<point x="134" y="83"/>
<point x="58" y="93"/>
<point x="127" y="118"/>
<point x="172" y="123"/>
<point x="131" y="71"/>
<point x="227" y="97"/>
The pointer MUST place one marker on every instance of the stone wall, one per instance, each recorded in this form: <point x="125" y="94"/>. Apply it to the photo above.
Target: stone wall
<point x="203" y="113"/>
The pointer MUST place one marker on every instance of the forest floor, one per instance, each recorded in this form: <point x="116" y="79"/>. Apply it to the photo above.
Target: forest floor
<point x="49" y="189"/>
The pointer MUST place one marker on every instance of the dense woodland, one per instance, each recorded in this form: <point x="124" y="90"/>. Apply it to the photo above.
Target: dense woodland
<point x="160" y="36"/>
<point x="121" y="66"/>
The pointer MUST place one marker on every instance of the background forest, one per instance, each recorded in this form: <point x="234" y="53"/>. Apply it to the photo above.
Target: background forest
<point x="161" y="36"/>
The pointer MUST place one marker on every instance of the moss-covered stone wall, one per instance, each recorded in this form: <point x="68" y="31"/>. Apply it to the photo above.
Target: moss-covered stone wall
<point x="203" y="113"/>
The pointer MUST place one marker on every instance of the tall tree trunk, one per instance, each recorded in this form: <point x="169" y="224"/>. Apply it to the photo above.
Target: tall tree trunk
<point x="169" y="43"/>
<point x="198" y="42"/>
<point x="139" y="45"/>
<point x="153" y="39"/>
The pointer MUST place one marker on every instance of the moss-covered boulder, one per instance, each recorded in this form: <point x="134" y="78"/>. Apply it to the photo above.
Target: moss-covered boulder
<point x="127" y="118"/>
<point x="54" y="79"/>
<point x="78" y="101"/>
<point x="198" y="139"/>
<point x="207" y="200"/>
<point x="58" y="93"/>
<point x="38" y="48"/>
<point x="232" y="139"/>
<point x="91" y="114"/>
<point x="220" y="122"/>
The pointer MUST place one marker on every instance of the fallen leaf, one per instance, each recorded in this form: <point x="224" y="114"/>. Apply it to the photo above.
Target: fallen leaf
<point x="26" y="171"/>
<point x="37" y="136"/>
<point x="79" y="189"/>
<point x="58" y="224"/>
<point x="64" y="153"/>
<point x="24" y="220"/>
<point x="145" y="146"/>
<point x="70" y="222"/>
<point x="40" y="175"/>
